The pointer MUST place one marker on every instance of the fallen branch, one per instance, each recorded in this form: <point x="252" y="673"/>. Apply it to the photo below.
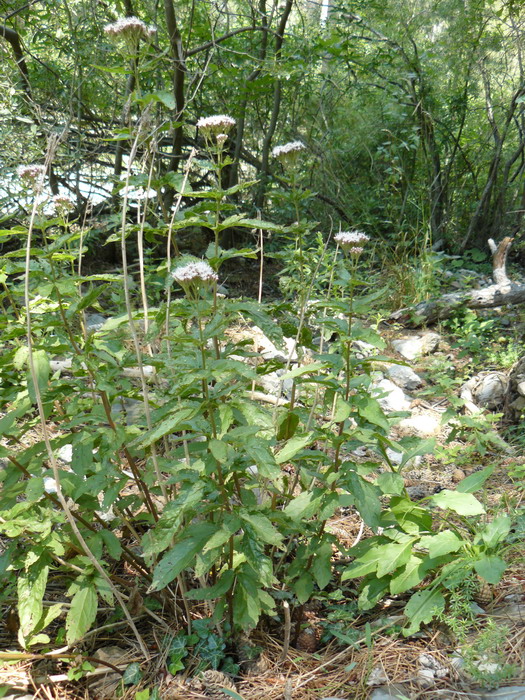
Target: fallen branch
<point x="502" y="292"/>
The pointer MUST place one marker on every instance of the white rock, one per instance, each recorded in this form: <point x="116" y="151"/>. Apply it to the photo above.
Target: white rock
<point x="271" y="383"/>
<point x="269" y="351"/>
<point x="394" y="398"/>
<point x="65" y="453"/>
<point x="363" y="350"/>
<point x="50" y="485"/>
<point x="405" y="377"/>
<point x="377" y="676"/>
<point x="397" y="458"/>
<point x="388" y="693"/>
<point x="426" y="677"/>
<point x="486" y="390"/>
<point x="521" y="388"/>
<point x="409" y="348"/>
<point x="94" y="322"/>
<point x="417" y="345"/>
<point x="419" y="426"/>
<point x="516" y="692"/>
<point x="430" y="343"/>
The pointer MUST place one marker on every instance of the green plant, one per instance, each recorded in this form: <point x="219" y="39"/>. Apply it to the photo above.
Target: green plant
<point x="409" y="550"/>
<point x="473" y="333"/>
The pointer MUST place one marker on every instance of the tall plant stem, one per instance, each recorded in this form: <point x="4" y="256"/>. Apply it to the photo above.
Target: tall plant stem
<point x="47" y="441"/>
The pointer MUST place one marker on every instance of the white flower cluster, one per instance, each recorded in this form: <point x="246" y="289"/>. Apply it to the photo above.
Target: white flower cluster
<point x="218" y="125"/>
<point x="289" y="149"/>
<point x="63" y="203"/>
<point x="194" y="272"/>
<point x="130" y="28"/>
<point x="351" y="241"/>
<point x="31" y="173"/>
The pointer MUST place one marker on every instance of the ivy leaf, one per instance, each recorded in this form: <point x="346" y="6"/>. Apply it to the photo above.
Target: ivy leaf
<point x="132" y="675"/>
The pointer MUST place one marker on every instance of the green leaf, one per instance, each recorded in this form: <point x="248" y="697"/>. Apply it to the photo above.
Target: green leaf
<point x="391" y="483"/>
<point x="475" y="481"/>
<point x="370" y="409"/>
<point x="372" y="592"/>
<point x="366" y="497"/>
<point x="460" y="503"/>
<point x="422" y="607"/>
<point x="232" y="694"/>
<point x="42" y="372"/>
<point x="132" y="675"/>
<point x="112" y="543"/>
<point x="170" y="425"/>
<point x="219" y="589"/>
<point x="322" y="565"/>
<point x="302" y="507"/>
<point x="181" y="555"/>
<point x="442" y="543"/>
<point x="219" y="450"/>
<point x="82" y="613"/>
<point x="490" y="568"/>
<point x="496" y="531"/>
<point x="31" y="586"/>
<point x="292" y="447"/>
<point x="409" y="577"/>
<point x="303" y="587"/>
<point x="263" y="528"/>
<point x="393" y="556"/>
<point x="303" y="369"/>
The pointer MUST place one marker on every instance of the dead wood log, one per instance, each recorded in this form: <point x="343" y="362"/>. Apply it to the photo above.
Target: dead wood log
<point x="502" y="292"/>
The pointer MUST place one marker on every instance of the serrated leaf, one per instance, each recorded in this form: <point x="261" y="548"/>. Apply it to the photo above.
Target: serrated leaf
<point x="393" y="556"/>
<point x="112" y="543"/>
<point x="460" y="503"/>
<point x="322" y="565"/>
<point x="303" y="369"/>
<point x="219" y="589"/>
<point x="81" y="614"/>
<point x="391" y="483"/>
<point x="302" y="507"/>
